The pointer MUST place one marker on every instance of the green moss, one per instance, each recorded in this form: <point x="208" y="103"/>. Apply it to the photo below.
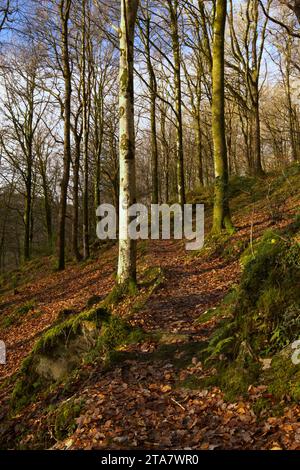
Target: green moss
<point x="8" y="321"/>
<point x="283" y="377"/>
<point x="93" y="300"/>
<point x="79" y="338"/>
<point x="25" y="308"/>
<point x="65" y="314"/>
<point x="59" y="422"/>
<point x="142" y="248"/>
<point x="236" y="379"/>
<point x="56" y="346"/>
<point x="120" y="291"/>
<point x="202" y="195"/>
<point x="53" y="344"/>
<point x="265" y="310"/>
<point x="241" y="184"/>
<point x="69" y="328"/>
<point x="215" y="244"/>
<point x="150" y="281"/>
<point x="263" y="407"/>
<point x="206" y="316"/>
<point x="26" y="390"/>
<point x="64" y="418"/>
<point x="114" y="333"/>
<point x="259" y="318"/>
<point x="233" y="378"/>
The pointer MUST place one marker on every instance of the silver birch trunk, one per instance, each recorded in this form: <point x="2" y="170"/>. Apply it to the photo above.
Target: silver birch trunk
<point x="127" y="247"/>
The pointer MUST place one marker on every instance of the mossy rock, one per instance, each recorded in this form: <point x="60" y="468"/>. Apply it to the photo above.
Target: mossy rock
<point x="65" y="314"/>
<point x="283" y="377"/>
<point x="260" y="318"/>
<point x="236" y="379"/>
<point x="65" y="347"/>
<point x="121" y="291"/>
<point x="265" y="308"/>
<point x="76" y="340"/>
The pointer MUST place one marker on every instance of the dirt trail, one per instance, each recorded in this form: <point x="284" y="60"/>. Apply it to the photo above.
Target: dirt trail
<point x="192" y="285"/>
<point x="141" y="402"/>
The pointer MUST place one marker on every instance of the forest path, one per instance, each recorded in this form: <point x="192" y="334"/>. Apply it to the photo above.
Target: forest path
<point x="150" y="397"/>
<point x="192" y="285"/>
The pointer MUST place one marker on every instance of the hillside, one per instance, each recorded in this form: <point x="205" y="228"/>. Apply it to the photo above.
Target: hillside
<point x="165" y="370"/>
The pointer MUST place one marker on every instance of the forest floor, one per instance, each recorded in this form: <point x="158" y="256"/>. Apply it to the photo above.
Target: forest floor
<point x="150" y="397"/>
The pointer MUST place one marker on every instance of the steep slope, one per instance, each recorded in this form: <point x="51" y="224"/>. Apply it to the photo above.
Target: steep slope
<point x="158" y="391"/>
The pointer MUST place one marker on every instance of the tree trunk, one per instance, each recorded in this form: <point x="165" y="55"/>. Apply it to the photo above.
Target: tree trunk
<point x="153" y="96"/>
<point x="127" y="247"/>
<point x="85" y="135"/>
<point x="257" y="169"/>
<point x="199" y="149"/>
<point x="29" y="134"/>
<point x="76" y="166"/>
<point x="48" y="210"/>
<point x="99" y="128"/>
<point x="99" y="133"/>
<point x="221" y="216"/>
<point x="65" y="6"/>
<point x="154" y="151"/>
<point x="290" y="104"/>
<point x="165" y="155"/>
<point x="27" y="215"/>
<point x="173" y="8"/>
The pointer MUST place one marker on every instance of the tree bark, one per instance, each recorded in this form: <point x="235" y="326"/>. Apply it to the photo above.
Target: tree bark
<point x="153" y="97"/>
<point x="65" y="6"/>
<point x="27" y="215"/>
<point x="85" y="134"/>
<point x="221" y="216"/>
<point x="173" y="8"/>
<point x="199" y="146"/>
<point x="76" y="166"/>
<point x="127" y="247"/>
<point x="47" y="207"/>
<point x="29" y="134"/>
<point x="256" y="163"/>
<point x="289" y="101"/>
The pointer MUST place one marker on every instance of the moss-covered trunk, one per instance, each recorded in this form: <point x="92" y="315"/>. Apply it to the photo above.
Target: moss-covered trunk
<point x="221" y="217"/>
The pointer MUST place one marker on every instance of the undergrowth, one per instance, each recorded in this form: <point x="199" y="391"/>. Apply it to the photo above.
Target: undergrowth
<point x="261" y="316"/>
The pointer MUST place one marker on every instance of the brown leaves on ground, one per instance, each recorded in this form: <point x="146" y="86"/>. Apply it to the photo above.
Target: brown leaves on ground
<point x="56" y="291"/>
<point x="146" y="410"/>
<point x="140" y="403"/>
